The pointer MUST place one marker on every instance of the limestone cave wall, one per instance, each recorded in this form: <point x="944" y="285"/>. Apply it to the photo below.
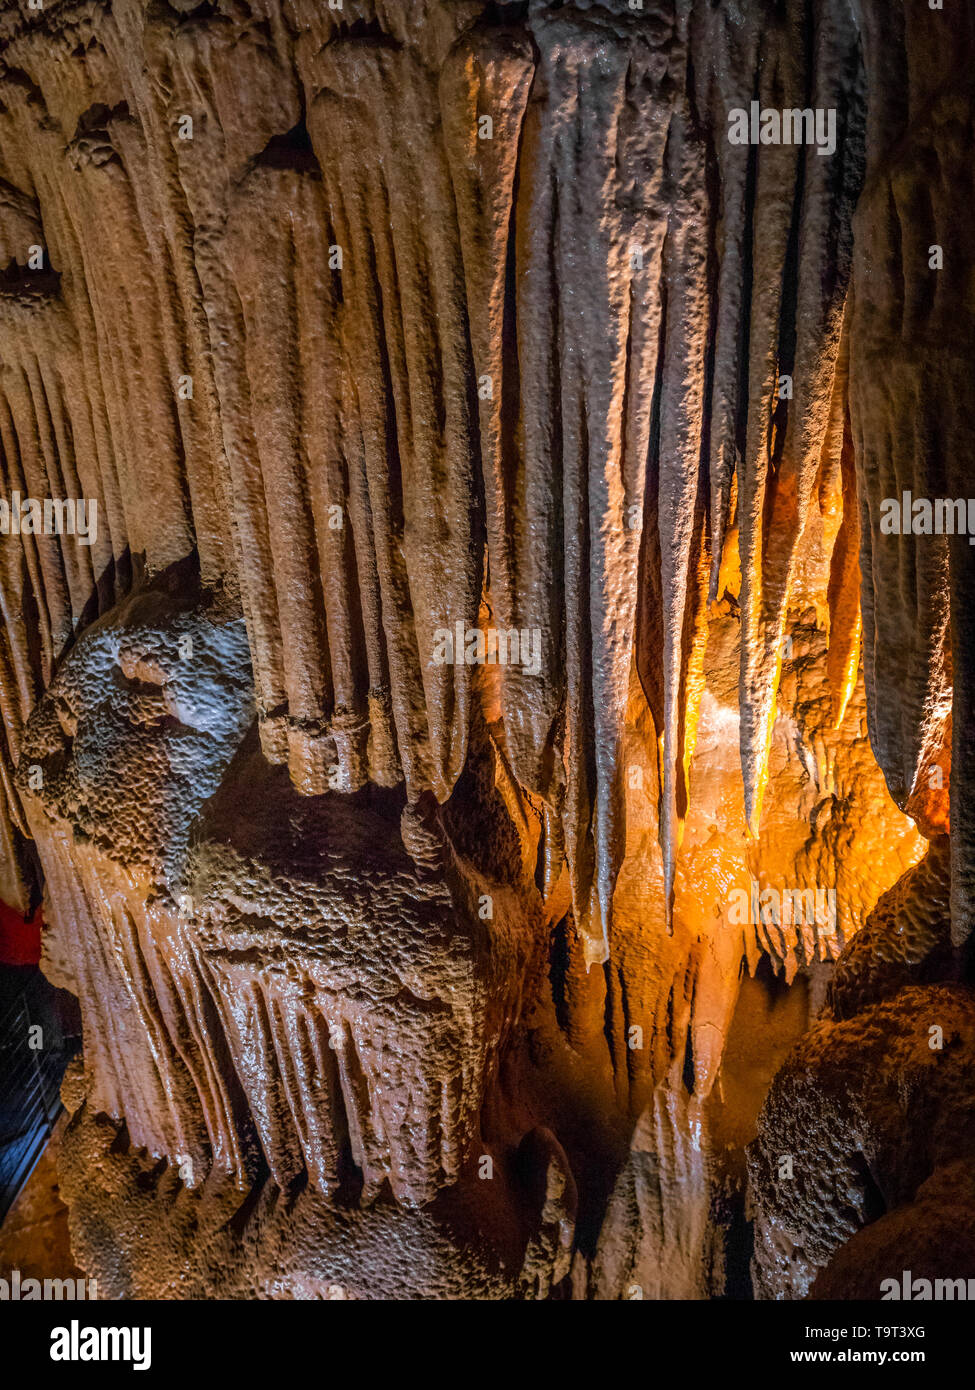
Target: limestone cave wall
<point x="412" y="966"/>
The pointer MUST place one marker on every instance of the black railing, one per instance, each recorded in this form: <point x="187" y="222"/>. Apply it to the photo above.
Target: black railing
<point x="34" y="1051"/>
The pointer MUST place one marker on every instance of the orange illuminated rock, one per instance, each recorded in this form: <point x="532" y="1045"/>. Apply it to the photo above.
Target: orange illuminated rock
<point x="446" y="756"/>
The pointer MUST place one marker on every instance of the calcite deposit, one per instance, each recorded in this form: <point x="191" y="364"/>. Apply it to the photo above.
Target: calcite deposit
<point x="499" y="788"/>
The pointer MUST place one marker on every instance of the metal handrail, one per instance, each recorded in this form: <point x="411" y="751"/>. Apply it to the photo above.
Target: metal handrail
<point x="29" y="1086"/>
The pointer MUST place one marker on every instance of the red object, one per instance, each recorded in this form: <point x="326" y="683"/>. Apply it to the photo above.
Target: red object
<point x="20" y="941"/>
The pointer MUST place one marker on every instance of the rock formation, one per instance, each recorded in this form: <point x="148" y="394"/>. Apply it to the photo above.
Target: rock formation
<point x="480" y="726"/>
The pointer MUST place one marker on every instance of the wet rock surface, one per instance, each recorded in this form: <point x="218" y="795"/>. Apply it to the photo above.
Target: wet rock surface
<point x="366" y="334"/>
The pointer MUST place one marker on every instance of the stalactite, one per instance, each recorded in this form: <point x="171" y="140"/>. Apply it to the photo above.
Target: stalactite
<point x="366" y="328"/>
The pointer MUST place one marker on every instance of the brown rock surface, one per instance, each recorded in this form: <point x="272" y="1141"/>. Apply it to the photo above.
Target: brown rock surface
<point x="421" y="977"/>
<point x="840" y="1109"/>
